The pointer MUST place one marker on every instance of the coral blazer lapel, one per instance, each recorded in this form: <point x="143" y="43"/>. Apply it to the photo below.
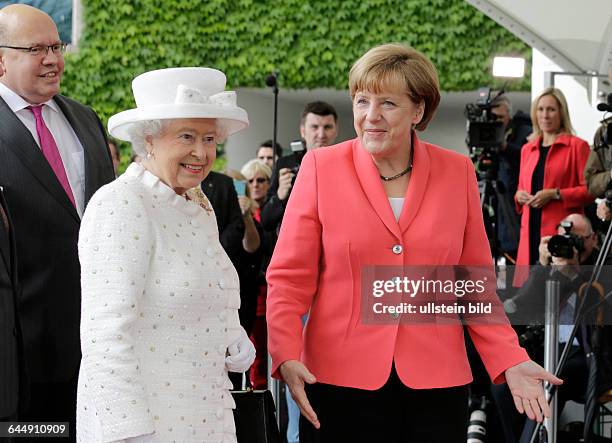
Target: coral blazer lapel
<point x="372" y="187"/>
<point x="417" y="187"/>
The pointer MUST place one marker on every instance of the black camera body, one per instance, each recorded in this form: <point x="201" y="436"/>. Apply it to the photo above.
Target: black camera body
<point x="606" y="135"/>
<point x="485" y="134"/>
<point x="563" y="245"/>
<point x="298" y="149"/>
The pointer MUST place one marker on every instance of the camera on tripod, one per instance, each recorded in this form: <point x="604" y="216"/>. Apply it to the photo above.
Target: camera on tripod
<point x="563" y="245"/>
<point x="485" y="133"/>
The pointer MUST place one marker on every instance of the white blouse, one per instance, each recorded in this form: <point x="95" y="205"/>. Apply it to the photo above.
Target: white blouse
<point x="160" y="303"/>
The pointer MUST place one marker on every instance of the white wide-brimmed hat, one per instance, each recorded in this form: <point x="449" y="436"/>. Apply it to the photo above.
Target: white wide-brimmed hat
<point x="175" y="93"/>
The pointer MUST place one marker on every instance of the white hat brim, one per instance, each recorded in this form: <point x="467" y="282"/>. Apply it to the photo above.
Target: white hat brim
<point x="229" y="119"/>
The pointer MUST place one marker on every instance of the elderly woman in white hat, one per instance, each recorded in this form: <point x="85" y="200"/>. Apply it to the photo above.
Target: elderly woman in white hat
<point x="159" y="327"/>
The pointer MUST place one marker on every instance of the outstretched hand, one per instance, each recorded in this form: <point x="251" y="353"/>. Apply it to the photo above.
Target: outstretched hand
<point x="296" y="375"/>
<point x="525" y="383"/>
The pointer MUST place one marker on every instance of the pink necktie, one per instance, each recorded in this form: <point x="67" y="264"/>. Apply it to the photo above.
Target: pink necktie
<point x="50" y="151"/>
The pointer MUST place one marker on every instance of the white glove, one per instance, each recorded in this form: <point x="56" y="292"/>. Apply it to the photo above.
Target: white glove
<point x="242" y="354"/>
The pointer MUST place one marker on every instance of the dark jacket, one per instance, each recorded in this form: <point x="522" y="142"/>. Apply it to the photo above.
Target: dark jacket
<point x="509" y="164"/>
<point x="46" y="227"/>
<point x="11" y="346"/>
<point x="219" y="188"/>
<point x="274" y="209"/>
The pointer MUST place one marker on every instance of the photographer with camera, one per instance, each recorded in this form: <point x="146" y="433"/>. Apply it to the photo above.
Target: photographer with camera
<point x="318" y="128"/>
<point x="570" y="252"/>
<point x="516" y="130"/>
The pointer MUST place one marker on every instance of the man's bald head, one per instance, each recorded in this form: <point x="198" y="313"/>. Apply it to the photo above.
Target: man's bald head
<point x="582" y="227"/>
<point x="14" y="18"/>
<point x="36" y="78"/>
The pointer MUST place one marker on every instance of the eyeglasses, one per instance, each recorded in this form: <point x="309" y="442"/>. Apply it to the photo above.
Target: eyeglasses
<point x="259" y="180"/>
<point x="57" y="49"/>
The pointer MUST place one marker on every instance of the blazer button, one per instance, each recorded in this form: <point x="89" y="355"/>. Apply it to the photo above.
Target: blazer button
<point x="397" y="249"/>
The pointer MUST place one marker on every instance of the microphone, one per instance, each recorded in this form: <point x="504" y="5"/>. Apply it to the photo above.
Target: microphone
<point x="271" y="79"/>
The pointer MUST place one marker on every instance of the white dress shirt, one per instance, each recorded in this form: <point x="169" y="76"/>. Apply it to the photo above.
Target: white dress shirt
<point x="67" y="142"/>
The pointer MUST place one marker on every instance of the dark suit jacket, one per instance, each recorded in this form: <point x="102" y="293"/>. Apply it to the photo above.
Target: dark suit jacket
<point x="46" y="232"/>
<point x="219" y="188"/>
<point x="10" y="335"/>
<point x="274" y="209"/>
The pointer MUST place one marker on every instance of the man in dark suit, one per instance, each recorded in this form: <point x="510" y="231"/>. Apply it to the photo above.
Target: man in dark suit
<point x="219" y="189"/>
<point x="10" y="333"/>
<point x="53" y="157"/>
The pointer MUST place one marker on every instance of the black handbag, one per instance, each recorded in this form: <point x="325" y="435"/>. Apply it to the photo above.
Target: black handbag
<point x="255" y="417"/>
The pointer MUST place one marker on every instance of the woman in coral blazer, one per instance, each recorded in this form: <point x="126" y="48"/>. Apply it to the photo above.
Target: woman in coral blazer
<point x="363" y="203"/>
<point x="551" y="182"/>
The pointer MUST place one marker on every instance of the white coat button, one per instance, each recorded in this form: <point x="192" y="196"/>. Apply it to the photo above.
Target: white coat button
<point x="210" y="252"/>
<point x="221" y="349"/>
<point x="222" y="315"/>
<point x="219" y="413"/>
<point x="221" y="284"/>
<point x="397" y="249"/>
<point x="194" y="223"/>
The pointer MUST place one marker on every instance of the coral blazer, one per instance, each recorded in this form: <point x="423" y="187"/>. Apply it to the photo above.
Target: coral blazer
<point x="338" y="219"/>
<point x="564" y="169"/>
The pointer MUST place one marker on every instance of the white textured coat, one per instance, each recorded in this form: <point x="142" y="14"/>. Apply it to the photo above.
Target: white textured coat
<point x="159" y="309"/>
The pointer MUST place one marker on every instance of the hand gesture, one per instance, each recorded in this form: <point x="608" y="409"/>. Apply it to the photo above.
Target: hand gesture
<point x="542" y="197"/>
<point x="603" y="212"/>
<point x="545" y="256"/>
<point x="525" y="383"/>
<point x="285" y="178"/>
<point x="522" y="197"/>
<point x="295" y="375"/>
<point x="246" y="205"/>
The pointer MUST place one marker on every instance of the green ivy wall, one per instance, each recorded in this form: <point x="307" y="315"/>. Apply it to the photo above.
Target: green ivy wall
<point x="312" y="43"/>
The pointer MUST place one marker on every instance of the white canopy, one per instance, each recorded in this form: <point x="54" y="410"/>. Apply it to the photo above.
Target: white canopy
<point x="575" y="35"/>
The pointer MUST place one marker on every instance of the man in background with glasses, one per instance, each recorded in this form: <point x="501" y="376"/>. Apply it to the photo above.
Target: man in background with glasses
<point x="53" y="157"/>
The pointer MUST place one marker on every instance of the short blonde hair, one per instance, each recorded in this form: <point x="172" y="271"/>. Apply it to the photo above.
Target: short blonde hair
<point x="254" y="167"/>
<point x="396" y="64"/>
<point x="566" y="124"/>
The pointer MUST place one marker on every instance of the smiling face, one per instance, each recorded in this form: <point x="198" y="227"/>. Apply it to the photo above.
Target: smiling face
<point x="383" y="121"/>
<point x="35" y="78"/>
<point x="183" y="153"/>
<point x="548" y="114"/>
